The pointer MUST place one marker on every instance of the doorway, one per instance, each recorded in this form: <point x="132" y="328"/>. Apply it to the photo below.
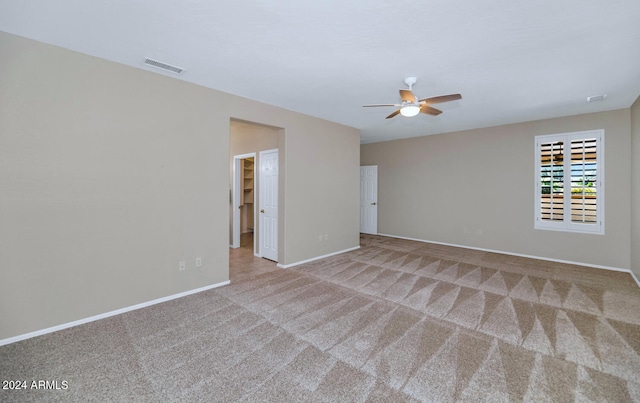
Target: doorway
<point x="243" y="198"/>
<point x="248" y="142"/>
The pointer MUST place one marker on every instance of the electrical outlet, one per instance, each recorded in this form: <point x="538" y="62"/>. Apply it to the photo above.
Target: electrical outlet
<point x="198" y="262"/>
<point x="182" y="266"/>
<point x="326" y="237"/>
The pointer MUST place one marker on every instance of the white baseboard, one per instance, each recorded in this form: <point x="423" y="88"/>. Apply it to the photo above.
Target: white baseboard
<point x="635" y="278"/>
<point x="107" y="314"/>
<point x="286" y="266"/>
<point x="595" y="266"/>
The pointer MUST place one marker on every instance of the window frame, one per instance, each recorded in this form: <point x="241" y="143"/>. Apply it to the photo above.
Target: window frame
<point x="566" y="225"/>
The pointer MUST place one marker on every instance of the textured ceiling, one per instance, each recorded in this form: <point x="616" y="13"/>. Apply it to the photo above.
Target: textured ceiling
<point x="512" y="61"/>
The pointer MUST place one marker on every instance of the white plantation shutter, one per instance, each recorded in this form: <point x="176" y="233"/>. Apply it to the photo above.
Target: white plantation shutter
<point x="569" y="186"/>
<point x="551" y="174"/>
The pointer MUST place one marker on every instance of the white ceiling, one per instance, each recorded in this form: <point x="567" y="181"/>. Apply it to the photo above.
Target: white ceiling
<point x="511" y="60"/>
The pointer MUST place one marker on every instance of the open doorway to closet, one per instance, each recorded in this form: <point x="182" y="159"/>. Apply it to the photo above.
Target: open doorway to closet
<point x="249" y="143"/>
<point x="243" y="201"/>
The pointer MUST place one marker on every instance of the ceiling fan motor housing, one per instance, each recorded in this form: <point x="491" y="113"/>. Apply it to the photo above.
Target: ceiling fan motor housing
<point x="410" y="81"/>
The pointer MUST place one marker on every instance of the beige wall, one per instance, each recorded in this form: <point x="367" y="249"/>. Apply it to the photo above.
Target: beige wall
<point x="248" y="137"/>
<point x="110" y="175"/>
<point x="476" y="188"/>
<point x="635" y="188"/>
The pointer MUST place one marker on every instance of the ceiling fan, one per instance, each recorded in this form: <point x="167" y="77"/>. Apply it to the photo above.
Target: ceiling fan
<point x="411" y="106"/>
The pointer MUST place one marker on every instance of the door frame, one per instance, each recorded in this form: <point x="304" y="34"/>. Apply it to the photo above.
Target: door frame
<point x="235" y="200"/>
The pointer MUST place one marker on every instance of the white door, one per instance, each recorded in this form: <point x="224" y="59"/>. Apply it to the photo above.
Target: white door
<point x="369" y="199"/>
<point x="268" y="196"/>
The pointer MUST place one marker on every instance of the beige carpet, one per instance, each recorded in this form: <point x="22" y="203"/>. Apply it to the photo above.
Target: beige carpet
<point x="393" y="321"/>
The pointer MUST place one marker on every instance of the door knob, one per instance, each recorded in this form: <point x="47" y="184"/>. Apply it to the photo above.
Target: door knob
<point x="373" y="204"/>
<point x="262" y="211"/>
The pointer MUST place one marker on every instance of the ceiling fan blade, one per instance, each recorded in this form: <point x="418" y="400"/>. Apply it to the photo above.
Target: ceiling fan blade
<point x="429" y="110"/>
<point x="368" y="106"/>
<point x="393" y="114"/>
<point x="442" y="98"/>
<point x="407" y="96"/>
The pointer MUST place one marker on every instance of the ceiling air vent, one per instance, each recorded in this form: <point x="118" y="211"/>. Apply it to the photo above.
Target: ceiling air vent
<point x="596" y="98"/>
<point x="163" y="66"/>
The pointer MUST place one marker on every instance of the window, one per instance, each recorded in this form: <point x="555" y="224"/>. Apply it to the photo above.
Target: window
<point x="569" y="185"/>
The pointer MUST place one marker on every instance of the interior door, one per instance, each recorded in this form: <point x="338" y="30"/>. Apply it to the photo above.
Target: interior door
<point x="268" y="203"/>
<point x="369" y="199"/>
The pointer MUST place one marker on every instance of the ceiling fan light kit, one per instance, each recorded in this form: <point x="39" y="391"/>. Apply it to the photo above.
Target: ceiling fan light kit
<point x="411" y="106"/>
<point x="409" y="110"/>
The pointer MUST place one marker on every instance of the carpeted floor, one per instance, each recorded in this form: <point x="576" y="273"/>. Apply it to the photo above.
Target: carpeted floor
<point x="393" y="321"/>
